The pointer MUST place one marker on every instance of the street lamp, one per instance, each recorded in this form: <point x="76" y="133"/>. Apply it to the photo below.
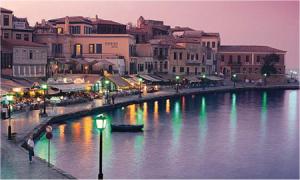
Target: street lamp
<point x="291" y="74"/>
<point x="101" y="125"/>
<point x="265" y="78"/>
<point x="203" y="81"/>
<point x="9" y="99"/>
<point x="177" y="83"/>
<point x="140" y="88"/>
<point x="45" y="88"/>
<point x="234" y="79"/>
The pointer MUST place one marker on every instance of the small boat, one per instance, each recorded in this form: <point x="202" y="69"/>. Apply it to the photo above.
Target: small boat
<point x="127" y="128"/>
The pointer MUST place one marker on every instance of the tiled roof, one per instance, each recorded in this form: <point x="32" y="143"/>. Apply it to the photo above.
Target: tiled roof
<point x="249" y="49"/>
<point x="11" y="43"/>
<point x="103" y="21"/>
<point x="72" y="19"/>
<point x="199" y="34"/>
<point x="5" y="10"/>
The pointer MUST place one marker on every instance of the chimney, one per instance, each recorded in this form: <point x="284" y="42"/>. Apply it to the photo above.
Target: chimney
<point x="67" y="21"/>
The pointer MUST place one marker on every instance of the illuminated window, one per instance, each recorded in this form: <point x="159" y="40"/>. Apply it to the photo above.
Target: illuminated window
<point x="60" y="30"/>
<point x="78" y="50"/>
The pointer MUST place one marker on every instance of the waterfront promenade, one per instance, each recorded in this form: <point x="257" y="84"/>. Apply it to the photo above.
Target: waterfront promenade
<point x="14" y="159"/>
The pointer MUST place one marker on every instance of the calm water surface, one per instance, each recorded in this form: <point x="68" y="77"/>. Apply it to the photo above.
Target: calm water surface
<point x="252" y="134"/>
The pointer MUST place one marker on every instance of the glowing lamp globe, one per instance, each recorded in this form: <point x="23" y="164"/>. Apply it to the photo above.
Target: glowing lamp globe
<point x="177" y="77"/>
<point x="44" y="86"/>
<point x="101" y="122"/>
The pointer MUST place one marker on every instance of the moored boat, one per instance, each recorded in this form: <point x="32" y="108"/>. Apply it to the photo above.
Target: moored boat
<point x="127" y="128"/>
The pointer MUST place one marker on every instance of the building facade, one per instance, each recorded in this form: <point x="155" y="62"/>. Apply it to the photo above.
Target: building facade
<point x="77" y="38"/>
<point x="14" y="28"/>
<point x="23" y="59"/>
<point x="247" y="60"/>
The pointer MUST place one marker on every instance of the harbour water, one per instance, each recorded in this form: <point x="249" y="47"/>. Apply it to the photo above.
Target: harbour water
<point x="252" y="134"/>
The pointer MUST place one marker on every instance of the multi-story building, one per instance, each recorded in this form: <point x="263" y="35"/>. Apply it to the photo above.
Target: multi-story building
<point x="146" y="30"/>
<point x="188" y="57"/>
<point x="247" y="60"/>
<point x="23" y="58"/>
<point x="84" y="39"/>
<point x="13" y="27"/>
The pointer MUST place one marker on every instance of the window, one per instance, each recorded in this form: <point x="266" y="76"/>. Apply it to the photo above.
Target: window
<point x="203" y="69"/>
<point x="196" y="70"/>
<point x="247" y="59"/>
<point x="166" y="52"/>
<point x="6" y="20"/>
<point x="197" y="56"/>
<point x="181" y="69"/>
<point x="160" y="51"/>
<point x="60" y="30"/>
<point x="26" y="37"/>
<point x="175" y="55"/>
<point x="155" y="51"/>
<point x="188" y="70"/>
<point x="99" y="48"/>
<point x="180" y="55"/>
<point x="208" y="44"/>
<point x="222" y="58"/>
<point x="218" y="43"/>
<point x="57" y="49"/>
<point x="30" y="54"/>
<point x="166" y="65"/>
<point x="18" y="36"/>
<point x="91" y="48"/>
<point x="203" y="59"/>
<point x="78" y="50"/>
<point x="188" y="56"/>
<point x="6" y="35"/>
<point x="258" y="59"/>
<point x="230" y="59"/>
<point x="239" y="59"/>
<point x="213" y="44"/>
<point x="192" y="56"/>
<point x="87" y="30"/>
<point x="203" y="44"/>
<point x="174" y="69"/>
<point x="74" y="29"/>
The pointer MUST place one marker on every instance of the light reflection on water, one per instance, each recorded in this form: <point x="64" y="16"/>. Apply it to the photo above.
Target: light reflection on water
<point x="231" y="135"/>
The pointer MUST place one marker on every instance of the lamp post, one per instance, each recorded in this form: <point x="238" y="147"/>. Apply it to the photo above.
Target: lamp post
<point x="291" y="72"/>
<point x="234" y="79"/>
<point x="101" y="125"/>
<point x="140" y="88"/>
<point x="9" y="98"/>
<point x="45" y="88"/>
<point x="177" y="83"/>
<point x="265" y="78"/>
<point x="107" y="90"/>
<point x="203" y="81"/>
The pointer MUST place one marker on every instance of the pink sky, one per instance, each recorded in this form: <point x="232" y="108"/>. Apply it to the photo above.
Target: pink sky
<point x="274" y="24"/>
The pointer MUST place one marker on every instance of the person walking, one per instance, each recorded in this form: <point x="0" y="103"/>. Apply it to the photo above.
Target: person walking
<point x="30" y="144"/>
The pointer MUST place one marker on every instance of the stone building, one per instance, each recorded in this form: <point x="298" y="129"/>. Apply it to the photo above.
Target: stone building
<point x="80" y="39"/>
<point x="247" y="60"/>
<point x="23" y="59"/>
<point x="147" y="29"/>
<point x="14" y="28"/>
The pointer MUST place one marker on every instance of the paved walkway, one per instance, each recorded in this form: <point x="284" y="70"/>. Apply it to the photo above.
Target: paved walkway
<point x="15" y="164"/>
<point x="14" y="160"/>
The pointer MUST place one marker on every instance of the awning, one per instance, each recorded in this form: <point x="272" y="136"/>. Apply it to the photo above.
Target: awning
<point x="192" y="79"/>
<point x="149" y="78"/>
<point x="159" y="78"/>
<point x="119" y="81"/>
<point x="71" y="87"/>
<point x="214" y="78"/>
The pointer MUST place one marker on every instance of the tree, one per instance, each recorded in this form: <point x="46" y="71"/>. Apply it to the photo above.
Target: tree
<point x="269" y="64"/>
